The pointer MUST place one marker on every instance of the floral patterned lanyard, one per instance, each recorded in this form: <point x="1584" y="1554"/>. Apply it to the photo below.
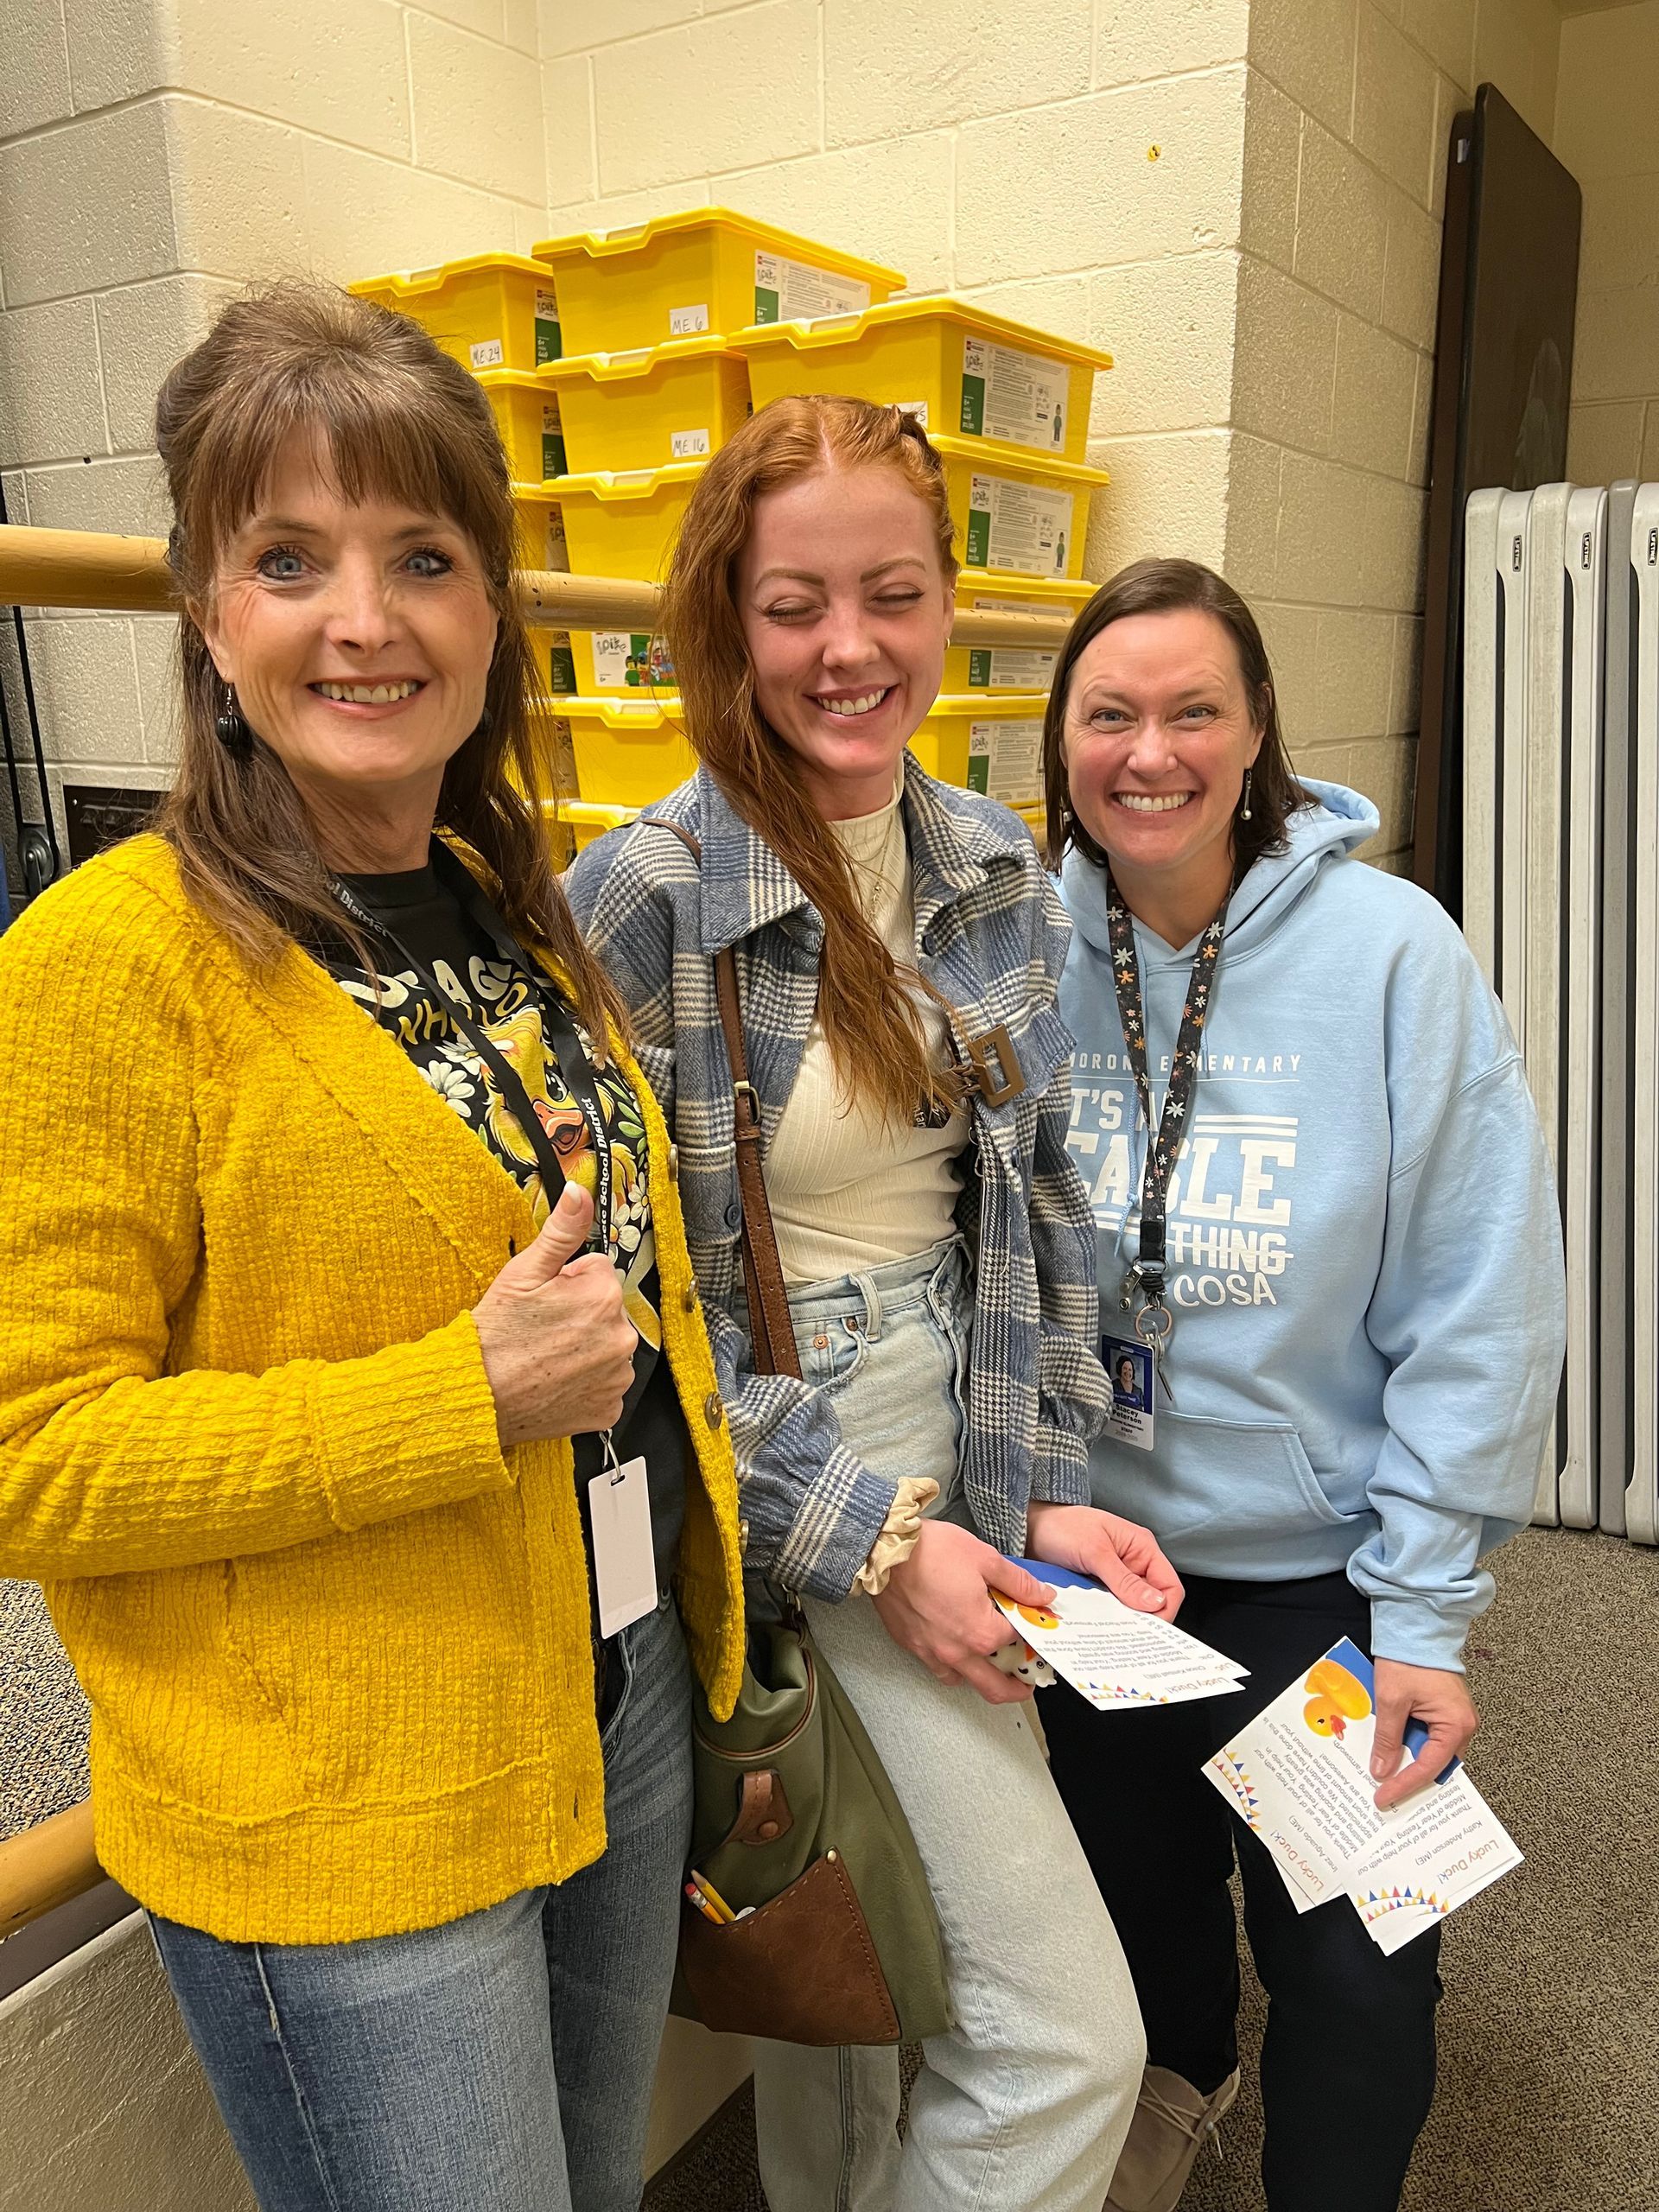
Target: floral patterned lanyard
<point x="1155" y="1321"/>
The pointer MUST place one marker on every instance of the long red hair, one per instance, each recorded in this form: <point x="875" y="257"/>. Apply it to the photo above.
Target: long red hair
<point x="866" y="1003"/>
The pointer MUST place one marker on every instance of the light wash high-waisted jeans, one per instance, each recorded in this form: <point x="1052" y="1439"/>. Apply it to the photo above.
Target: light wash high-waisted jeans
<point x="1023" y="2106"/>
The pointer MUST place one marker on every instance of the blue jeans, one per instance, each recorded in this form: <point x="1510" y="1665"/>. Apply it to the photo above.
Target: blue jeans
<point x="1021" y="2107"/>
<point x="502" y="2062"/>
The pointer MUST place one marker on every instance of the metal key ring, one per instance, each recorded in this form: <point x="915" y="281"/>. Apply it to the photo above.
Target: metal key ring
<point x="1148" y="1331"/>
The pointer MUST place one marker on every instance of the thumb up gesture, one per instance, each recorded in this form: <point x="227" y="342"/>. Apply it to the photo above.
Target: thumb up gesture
<point x="557" y="1345"/>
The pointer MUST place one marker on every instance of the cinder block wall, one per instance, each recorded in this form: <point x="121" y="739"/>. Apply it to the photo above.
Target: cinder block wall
<point x="1240" y="198"/>
<point x="155" y="155"/>
<point x="1075" y="163"/>
<point x="1349" y="106"/>
<point x="1604" y="132"/>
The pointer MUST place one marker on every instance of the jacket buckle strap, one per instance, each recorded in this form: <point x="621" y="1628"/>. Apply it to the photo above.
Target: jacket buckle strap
<point x="996" y="1066"/>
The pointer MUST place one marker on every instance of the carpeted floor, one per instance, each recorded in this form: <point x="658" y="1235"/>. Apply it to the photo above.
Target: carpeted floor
<point x="1549" y="2033"/>
<point x="42" y="1715"/>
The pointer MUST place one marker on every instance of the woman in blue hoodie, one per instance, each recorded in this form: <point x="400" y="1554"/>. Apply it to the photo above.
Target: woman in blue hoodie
<point x="1322" y="1196"/>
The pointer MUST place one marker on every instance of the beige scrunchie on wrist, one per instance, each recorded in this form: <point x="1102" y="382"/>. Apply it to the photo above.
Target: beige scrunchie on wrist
<point x="899" y="1534"/>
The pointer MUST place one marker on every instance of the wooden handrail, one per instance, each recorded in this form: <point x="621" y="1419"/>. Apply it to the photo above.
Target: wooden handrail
<point x="130" y="575"/>
<point x="83" y="567"/>
<point x="46" y="1865"/>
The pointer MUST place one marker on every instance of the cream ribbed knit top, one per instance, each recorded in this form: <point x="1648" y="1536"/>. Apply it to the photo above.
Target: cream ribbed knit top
<point x="848" y="1190"/>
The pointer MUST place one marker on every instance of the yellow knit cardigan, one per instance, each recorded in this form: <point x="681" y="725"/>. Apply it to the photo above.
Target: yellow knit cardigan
<point x="336" y="1643"/>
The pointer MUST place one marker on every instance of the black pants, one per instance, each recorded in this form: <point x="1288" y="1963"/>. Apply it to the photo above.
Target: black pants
<point x="1348" y="2065"/>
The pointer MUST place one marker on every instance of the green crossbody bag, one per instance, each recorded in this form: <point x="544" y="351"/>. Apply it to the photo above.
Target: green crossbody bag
<point x="795" y="1818"/>
<point x="796" y="1825"/>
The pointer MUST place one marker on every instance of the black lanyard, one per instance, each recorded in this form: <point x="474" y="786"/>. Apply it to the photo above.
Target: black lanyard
<point x="557" y="1030"/>
<point x="1154" y="1320"/>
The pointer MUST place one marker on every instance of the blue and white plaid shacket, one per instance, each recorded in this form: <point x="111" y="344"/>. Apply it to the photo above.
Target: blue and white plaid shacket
<point x="992" y="937"/>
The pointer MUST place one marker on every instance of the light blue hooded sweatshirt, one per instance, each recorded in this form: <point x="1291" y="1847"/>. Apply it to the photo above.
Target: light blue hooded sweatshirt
<point x="1365" y="1251"/>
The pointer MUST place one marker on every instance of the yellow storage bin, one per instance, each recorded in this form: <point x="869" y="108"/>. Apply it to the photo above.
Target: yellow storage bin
<point x="993" y="744"/>
<point x="709" y="268"/>
<point x="1009" y="668"/>
<point x="583" y="820"/>
<point x="623" y="522"/>
<point x="541" y="528"/>
<point x="526" y="414"/>
<point x="490" y="311"/>
<point x="660" y="403"/>
<point x="554" y="659"/>
<point x="628" y="752"/>
<point x="1035" y="818"/>
<point x="954" y="366"/>
<point x="1023" y="519"/>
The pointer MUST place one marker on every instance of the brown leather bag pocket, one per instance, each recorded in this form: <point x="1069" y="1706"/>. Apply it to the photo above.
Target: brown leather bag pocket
<point x="786" y="1968"/>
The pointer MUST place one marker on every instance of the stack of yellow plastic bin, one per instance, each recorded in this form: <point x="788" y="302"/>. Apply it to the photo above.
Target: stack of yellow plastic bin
<point x="498" y="314"/>
<point x="649" y="386"/>
<point x="618" y="362"/>
<point x="1008" y="408"/>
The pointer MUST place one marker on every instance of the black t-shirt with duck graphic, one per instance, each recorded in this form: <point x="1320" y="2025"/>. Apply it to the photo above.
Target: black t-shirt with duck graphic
<point x="524" y="1016"/>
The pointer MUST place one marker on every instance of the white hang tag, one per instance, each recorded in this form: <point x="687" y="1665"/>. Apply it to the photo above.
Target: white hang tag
<point x="625" y="1563"/>
<point x="1130" y="1368"/>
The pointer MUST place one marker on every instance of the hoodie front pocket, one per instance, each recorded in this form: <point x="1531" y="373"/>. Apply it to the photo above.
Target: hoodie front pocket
<point x="1240" y="1487"/>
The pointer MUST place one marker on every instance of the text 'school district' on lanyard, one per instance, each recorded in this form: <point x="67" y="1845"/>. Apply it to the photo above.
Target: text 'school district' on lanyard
<point x="1155" y="1321"/>
<point x="573" y="1067"/>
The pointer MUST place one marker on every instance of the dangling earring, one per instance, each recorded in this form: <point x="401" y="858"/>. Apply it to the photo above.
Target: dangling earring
<point x="229" y="728"/>
<point x="1244" y="812"/>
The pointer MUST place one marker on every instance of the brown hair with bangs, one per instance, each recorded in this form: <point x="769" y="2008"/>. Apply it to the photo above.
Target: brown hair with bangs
<point x="866" y="1003"/>
<point x="392" y="416"/>
<point x="1166" y="587"/>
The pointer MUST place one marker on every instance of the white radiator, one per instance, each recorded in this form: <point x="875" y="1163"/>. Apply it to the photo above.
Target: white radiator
<point x="1561" y="909"/>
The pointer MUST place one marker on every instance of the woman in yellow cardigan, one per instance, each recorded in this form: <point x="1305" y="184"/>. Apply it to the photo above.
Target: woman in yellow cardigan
<point x="352" y="1478"/>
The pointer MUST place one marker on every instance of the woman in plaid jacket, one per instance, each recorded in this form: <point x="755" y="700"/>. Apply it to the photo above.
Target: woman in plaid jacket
<point x="898" y="950"/>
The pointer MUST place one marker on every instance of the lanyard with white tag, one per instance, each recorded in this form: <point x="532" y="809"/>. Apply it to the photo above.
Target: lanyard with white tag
<point x="624" y="1560"/>
<point x="1153" y="1320"/>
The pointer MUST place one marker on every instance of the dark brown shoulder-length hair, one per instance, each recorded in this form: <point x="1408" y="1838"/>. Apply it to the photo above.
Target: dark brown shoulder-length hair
<point x="1166" y="587"/>
<point x="866" y="1004"/>
<point x="390" y="417"/>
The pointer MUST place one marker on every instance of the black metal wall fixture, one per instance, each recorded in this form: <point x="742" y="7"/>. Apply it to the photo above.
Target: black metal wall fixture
<point x="1503" y="382"/>
<point x="36" y="842"/>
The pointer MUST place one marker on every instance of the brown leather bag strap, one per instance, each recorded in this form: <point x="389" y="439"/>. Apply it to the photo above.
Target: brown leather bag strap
<point x="772" y="1333"/>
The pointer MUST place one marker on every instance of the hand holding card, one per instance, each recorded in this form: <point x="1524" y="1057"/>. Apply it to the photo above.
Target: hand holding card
<point x="1300" y="1775"/>
<point x="1111" y="1654"/>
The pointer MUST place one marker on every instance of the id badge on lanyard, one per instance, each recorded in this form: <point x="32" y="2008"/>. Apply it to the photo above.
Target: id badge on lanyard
<point x="1154" y="1322"/>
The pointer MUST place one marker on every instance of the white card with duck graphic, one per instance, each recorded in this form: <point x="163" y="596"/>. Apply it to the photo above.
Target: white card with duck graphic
<point x="1300" y="1777"/>
<point x="1109" y="1652"/>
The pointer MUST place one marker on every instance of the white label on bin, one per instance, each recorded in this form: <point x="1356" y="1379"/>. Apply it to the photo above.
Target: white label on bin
<point x="917" y="408"/>
<point x="1005" y="761"/>
<point x="548" y="345"/>
<point x="486" y="354"/>
<point x="559" y="552"/>
<point x="793" y="291"/>
<point x="1024" y="527"/>
<point x="554" y="463"/>
<point x="687" y="444"/>
<point x="631" y="660"/>
<point x="1008" y="668"/>
<point x="686" y="322"/>
<point x="1019" y="396"/>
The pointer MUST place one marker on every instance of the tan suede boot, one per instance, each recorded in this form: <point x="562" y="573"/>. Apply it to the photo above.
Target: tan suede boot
<point x="1172" y="2122"/>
